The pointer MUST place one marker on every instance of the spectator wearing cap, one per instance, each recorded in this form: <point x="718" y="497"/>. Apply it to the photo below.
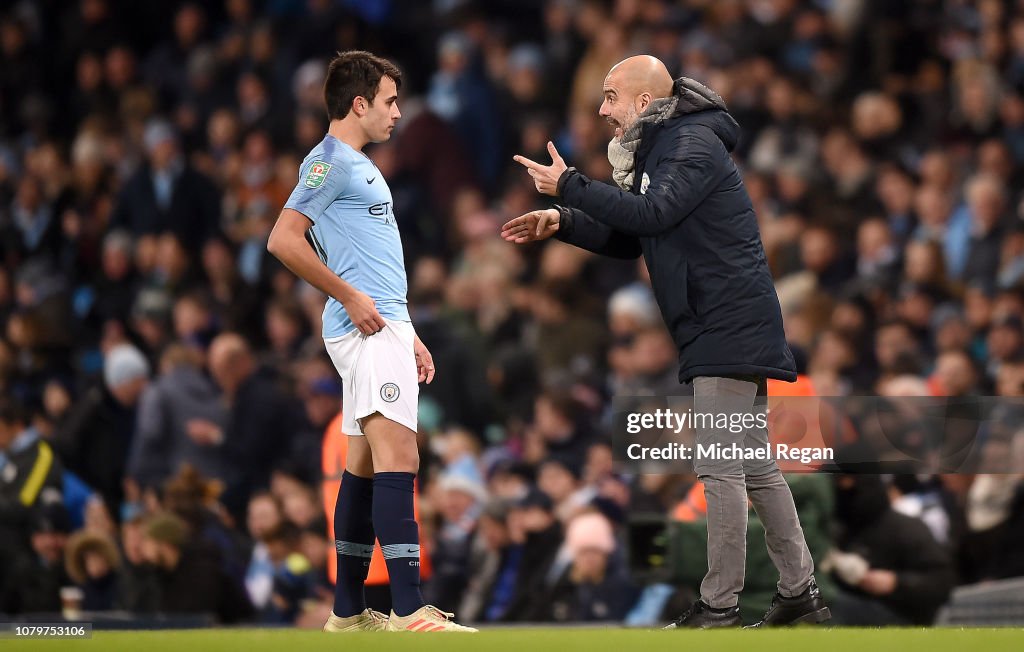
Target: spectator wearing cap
<point x="32" y="583"/>
<point x="595" y="586"/>
<point x="523" y="94"/>
<point x="190" y="579"/>
<point x="150" y="318"/>
<point x="30" y="475"/>
<point x="95" y="439"/>
<point x="493" y="566"/>
<point x="321" y="400"/>
<point x="642" y="357"/>
<point x="93" y="562"/>
<point x="534" y="528"/>
<point x="166" y="194"/>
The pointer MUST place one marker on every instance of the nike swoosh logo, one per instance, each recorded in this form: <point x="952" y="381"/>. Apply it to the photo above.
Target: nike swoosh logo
<point x="415" y="550"/>
<point x="369" y="181"/>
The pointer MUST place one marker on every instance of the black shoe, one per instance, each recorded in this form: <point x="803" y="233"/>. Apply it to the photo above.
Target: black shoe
<point x="806" y="608"/>
<point x="701" y="616"/>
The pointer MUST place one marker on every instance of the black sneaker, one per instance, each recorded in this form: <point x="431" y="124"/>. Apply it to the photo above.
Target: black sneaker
<point x="806" y="608"/>
<point x="701" y="616"/>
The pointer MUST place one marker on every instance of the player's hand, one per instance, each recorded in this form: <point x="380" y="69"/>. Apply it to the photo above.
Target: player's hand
<point x="545" y="177"/>
<point x="424" y="361"/>
<point x="532" y="227"/>
<point x="362" y="310"/>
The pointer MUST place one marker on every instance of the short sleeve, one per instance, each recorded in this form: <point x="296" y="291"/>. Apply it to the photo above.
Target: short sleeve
<point x="321" y="181"/>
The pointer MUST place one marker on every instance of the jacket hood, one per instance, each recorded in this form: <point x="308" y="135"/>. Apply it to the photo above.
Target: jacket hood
<point x="706" y="107"/>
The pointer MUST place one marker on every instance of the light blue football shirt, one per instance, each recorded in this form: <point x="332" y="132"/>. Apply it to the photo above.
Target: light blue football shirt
<point x="354" y="230"/>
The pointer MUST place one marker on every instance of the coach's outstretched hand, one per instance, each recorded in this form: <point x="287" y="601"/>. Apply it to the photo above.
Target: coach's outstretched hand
<point x="545" y="177"/>
<point x="362" y="310"/>
<point x="532" y="227"/>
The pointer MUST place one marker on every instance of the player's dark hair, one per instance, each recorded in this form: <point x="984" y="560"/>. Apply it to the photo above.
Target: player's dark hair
<point x="355" y="74"/>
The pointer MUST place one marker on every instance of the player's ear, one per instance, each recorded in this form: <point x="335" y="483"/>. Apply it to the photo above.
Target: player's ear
<point x="359" y="105"/>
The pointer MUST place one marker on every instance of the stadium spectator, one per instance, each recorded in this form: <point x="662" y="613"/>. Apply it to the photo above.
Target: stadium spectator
<point x="168" y="195"/>
<point x="32" y="477"/>
<point x="533" y="528"/>
<point x="259" y="412"/>
<point x="33" y="581"/>
<point x="177" y="415"/>
<point x="459" y="504"/>
<point x="190" y="579"/>
<point x="889" y="567"/>
<point x="92" y="561"/>
<point x="595" y="585"/>
<point x="97" y="435"/>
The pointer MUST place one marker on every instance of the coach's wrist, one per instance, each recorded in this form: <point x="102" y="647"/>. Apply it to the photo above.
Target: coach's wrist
<point x="563" y="178"/>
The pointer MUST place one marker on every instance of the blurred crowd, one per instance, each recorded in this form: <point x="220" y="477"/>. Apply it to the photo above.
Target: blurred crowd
<point x="167" y="401"/>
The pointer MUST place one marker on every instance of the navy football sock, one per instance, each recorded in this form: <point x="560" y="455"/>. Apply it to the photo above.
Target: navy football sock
<point x="399" y="538"/>
<point x="353" y="538"/>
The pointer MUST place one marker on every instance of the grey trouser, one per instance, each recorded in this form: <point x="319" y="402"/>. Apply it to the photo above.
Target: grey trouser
<point x="727" y="483"/>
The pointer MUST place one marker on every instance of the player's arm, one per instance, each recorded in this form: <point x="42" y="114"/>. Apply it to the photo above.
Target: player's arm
<point x="288" y="244"/>
<point x="320" y="183"/>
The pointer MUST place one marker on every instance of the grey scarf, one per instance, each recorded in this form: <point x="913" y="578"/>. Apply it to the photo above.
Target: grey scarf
<point x="688" y="96"/>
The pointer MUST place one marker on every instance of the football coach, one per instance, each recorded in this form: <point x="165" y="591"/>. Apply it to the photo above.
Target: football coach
<point x="680" y="201"/>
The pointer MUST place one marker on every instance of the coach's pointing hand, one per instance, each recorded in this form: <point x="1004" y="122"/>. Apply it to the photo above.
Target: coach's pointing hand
<point x="532" y="227"/>
<point x="362" y="310"/>
<point x="545" y="177"/>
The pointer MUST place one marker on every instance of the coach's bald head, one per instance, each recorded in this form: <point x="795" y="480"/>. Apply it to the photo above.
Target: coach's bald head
<point x="631" y="85"/>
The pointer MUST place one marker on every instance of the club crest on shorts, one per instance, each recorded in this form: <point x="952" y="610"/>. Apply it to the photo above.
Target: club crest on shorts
<point x="644" y="182"/>
<point x="317" y="173"/>
<point x="389" y="392"/>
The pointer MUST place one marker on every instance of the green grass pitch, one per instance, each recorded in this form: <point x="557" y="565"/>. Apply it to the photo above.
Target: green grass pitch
<point x="542" y="640"/>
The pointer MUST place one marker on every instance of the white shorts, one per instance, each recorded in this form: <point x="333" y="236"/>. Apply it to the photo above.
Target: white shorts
<point x="378" y="374"/>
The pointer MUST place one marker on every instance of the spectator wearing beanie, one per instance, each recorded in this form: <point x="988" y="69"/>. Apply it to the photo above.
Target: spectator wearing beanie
<point x="95" y="439"/>
<point x="190" y="579"/>
<point x="595" y="585"/>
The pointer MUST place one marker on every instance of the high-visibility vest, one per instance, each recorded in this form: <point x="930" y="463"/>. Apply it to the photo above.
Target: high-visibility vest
<point x="801" y="387"/>
<point x="333" y="456"/>
<point x="822" y="424"/>
<point x="693" y="507"/>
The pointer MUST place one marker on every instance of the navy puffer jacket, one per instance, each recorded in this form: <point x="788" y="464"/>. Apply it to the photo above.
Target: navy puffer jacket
<point x="689" y="214"/>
